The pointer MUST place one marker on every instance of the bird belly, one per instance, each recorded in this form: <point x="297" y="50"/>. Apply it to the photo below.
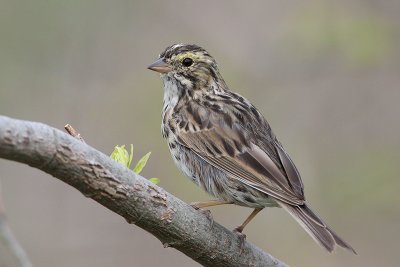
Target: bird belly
<point x="216" y="182"/>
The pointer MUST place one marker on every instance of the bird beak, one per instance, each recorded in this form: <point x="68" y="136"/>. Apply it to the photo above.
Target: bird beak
<point x="160" y="66"/>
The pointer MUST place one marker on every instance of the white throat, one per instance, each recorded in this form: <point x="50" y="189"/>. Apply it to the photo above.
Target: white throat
<point x="171" y="93"/>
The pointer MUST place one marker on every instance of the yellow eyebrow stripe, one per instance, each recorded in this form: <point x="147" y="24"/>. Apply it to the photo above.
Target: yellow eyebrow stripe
<point x="185" y="55"/>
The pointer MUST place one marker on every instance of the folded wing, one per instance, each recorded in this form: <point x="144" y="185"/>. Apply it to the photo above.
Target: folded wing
<point x="229" y="146"/>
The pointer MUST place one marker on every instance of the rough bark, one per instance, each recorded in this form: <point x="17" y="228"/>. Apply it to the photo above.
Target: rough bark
<point x="175" y="223"/>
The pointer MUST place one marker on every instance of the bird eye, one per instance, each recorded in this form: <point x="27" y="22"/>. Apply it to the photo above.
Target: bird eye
<point x="187" y="62"/>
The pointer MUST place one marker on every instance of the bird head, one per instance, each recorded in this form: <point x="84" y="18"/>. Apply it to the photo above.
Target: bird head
<point x="189" y="65"/>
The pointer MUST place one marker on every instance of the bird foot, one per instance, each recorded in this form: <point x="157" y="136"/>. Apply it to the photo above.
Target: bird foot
<point x="207" y="213"/>
<point x="195" y="205"/>
<point x="242" y="237"/>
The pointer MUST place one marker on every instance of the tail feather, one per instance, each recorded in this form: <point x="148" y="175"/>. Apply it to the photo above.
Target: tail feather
<point x="316" y="228"/>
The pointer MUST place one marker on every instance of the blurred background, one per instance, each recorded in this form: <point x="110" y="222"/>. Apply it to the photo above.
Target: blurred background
<point x="326" y="74"/>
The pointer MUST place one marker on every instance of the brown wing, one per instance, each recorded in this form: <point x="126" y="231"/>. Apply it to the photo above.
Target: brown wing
<point x="230" y="146"/>
<point x="292" y="173"/>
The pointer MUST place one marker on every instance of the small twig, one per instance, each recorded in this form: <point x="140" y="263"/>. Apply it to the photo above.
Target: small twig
<point x="8" y="240"/>
<point x="2" y="209"/>
<point x="73" y="132"/>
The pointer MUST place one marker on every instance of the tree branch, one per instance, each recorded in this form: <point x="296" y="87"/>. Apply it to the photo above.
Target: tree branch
<point x="140" y="202"/>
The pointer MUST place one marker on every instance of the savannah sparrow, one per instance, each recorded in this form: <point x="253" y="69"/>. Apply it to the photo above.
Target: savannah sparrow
<point x="224" y="145"/>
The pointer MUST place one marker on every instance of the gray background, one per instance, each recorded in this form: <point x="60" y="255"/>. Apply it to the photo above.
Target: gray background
<point x="324" y="73"/>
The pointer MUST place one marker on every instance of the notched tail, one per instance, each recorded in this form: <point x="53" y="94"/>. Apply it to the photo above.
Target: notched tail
<point x="316" y="228"/>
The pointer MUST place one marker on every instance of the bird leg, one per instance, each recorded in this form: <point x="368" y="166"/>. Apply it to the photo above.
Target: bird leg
<point x="238" y="230"/>
<point x="210" y="203"/>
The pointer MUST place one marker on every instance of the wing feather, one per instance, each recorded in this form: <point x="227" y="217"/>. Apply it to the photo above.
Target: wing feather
<point x="218" y="145"/>
<point x="293" y="174"/>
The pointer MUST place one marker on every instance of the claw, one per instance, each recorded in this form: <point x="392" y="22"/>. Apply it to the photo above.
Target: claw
<point x="207" y="213"/>
<point x="209" y="216"/>
<point x="242" y="237"/>
<point x="195" y="205"/>
<point x="238" y="230"/>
